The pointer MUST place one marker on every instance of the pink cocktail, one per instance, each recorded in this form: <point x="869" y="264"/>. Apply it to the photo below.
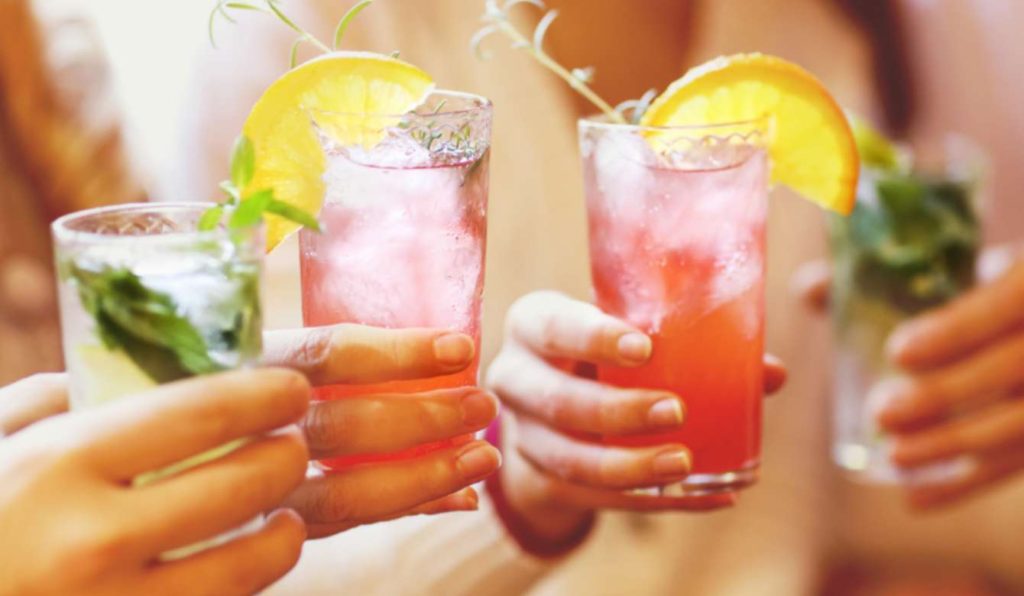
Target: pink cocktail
<point x="404" y="234"/>
<point x="677" y="235"/>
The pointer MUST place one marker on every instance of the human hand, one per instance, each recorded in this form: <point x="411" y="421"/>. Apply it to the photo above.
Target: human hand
<point x="437" y="482"/>
<point x="73" y="523"/>
<point x="963" y="396"/>
<point x="553" y="477"/>
<point x="958" y="401"/>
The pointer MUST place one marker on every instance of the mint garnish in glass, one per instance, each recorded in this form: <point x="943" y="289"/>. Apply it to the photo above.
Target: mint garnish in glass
<point x="910" y="245"/>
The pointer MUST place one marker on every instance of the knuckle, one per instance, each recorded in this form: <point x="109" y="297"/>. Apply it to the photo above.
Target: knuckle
<point x="393" y="348"/>
<point x="506" y="373"/>
<point x="313" y="351"/>
<point x="558" y="462"/>
<point x="549" y="334"/>
<point x="320" y="427"/>
<point x="517" y="313"/>
<point x="611" y="415"/>
<point x="607" y="473"/>
<point x="96" y="549"/>
<point x="295" y="454"/>
<point x="436" y="478"/>
<point x="337" y="503"/>
<point x="557" y="407"/>
<point x="290" y="392"/>
<point x="56" y="444"/>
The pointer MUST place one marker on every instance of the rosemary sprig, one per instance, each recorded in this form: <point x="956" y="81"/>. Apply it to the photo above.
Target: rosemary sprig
<point x="497" y="20"/>
<point x="637" y="107"/>
<point x="273" y="8"/>
<point x="339" y="31"/>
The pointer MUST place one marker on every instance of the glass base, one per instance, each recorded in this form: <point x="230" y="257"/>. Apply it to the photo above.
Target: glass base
<point x="865" y="464"/>
<point x="699" y="485"/>
<point x="871" y="465"/>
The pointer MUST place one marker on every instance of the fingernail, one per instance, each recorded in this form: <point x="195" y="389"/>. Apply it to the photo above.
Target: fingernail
<point x="635" y="347"/>
<point x="666" y="413"/>
<point x="890" y="400"/>
<point x="478" y="409"/>
<point x="672" y="463"/>
<point x="900" y="341"/>
<point x="477" y="460"/>
<point x="464" y="500"/>
<point x="454" y="349"/>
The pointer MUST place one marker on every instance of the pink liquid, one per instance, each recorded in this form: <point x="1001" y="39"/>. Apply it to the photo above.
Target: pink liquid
<point x="401" y="247"/>
<point x="679" y="253"/>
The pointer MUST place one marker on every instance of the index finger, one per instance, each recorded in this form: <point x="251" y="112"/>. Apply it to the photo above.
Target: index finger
<point x="32" y="399"/>
<point x="360" y="354"/>
<point x="961" y="326"/>
<point x="556" y="326"/>
<point x="175" y="421"/>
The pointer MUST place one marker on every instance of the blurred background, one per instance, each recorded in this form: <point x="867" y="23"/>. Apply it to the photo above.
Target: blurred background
<point x="106" y="101"/>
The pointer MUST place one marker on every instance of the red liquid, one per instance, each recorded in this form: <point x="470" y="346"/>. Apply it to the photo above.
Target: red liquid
<point x="715" y="365"/>
<point x="680" y="254"/>
<point x="401" y="248"/>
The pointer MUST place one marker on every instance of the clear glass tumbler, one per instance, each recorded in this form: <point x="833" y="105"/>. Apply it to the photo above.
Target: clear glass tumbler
<point x="404" y="231"/>
<point x="910" y="245"/>
<point x="147" y="299"/>
<point x="677" y="241"/>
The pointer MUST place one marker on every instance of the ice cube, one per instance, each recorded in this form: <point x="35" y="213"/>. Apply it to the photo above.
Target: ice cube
<point x="419" y="190"/>
<point x="396" y="150"/>
<point x="403" y="275"/>
<point x="622" y="167"/>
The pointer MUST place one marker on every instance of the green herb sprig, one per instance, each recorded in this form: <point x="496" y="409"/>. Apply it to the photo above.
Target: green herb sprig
<point x="245" y="208"/>
<point x="143" y="323"/>
<point x="497" y="19"/>
<point x="273" y="8"/>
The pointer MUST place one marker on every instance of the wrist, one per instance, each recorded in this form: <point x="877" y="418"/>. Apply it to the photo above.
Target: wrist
<point x="540" y="527"/>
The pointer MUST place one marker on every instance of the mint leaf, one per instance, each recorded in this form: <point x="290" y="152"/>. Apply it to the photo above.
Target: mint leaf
<point x="249" y="208"/>
<point x="143" y="323"/>
<point x="250" y="211"/>
<point x="230" y="191"/>
<point x="911" y="241"/>
<point x="292" y="214"/>
<point x="210" y="218"/>
<point x="243" y="162"/>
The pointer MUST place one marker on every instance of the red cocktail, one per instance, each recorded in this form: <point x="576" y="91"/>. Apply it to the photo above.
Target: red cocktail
<point x="677" y="231"/>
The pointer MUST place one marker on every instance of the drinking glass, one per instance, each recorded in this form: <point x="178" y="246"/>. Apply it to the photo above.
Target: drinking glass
<point x="404" y="232"/>
<point x="677" y="240"/>
<point x="146" y="298"/>
<point x="909" y="246"/>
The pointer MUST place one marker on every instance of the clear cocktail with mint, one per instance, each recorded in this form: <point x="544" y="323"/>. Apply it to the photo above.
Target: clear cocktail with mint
<point x="147" y="298"/>
<point x="910" y="245"/>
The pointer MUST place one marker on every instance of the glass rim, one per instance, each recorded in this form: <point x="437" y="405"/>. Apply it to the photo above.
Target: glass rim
<point x="482" y="104"/>
<point x="64" y="233"/>
<point x="601" y="122"/>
